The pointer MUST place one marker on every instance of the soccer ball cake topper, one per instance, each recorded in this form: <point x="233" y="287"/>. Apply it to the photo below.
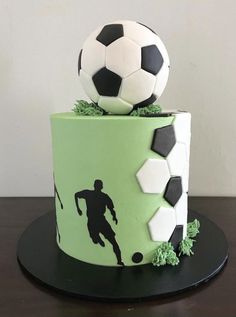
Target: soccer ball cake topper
<point x="123" y="66"/>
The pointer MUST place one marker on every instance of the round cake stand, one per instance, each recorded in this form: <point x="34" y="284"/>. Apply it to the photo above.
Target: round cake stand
<point x="39" y="255"/>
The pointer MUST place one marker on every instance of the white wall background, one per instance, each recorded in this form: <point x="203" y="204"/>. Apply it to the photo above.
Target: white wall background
<point x="39" y="45"/>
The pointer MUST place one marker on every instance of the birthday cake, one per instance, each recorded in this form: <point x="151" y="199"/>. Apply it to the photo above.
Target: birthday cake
<point x="121" y="164"/>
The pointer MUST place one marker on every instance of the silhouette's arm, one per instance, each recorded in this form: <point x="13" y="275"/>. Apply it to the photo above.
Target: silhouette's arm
<point x="110" y="206"/>
<point x="57" y="194"/>
<point x="113" y="213"/>
<point x="77" y="196"/>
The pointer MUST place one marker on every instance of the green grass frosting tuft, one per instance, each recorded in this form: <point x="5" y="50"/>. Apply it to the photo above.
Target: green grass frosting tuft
<point x="165" y="254"/>
<point x="151" y="109"/>
<point x="84" y="108"/>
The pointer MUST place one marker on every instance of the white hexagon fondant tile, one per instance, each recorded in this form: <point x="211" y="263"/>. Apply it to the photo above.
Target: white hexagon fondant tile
<point x="115" y="105"/>
<point x="162" y="224"/>
<point x="141" y="82"/>
<point x="139" y="34"/>
<point x="123" y="57"/>
<point x="177" y="159"/>
<point x="93" y="56"/>
<point x="182" y="127"/>
<point x="88" y="85"/>
<point x="181" y="212"/>
<point x="185" y="178"/>
<point x="153" y="176"/>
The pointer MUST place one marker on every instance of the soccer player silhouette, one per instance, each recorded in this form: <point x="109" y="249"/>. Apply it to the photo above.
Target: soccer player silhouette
<point x="97" y="202"/>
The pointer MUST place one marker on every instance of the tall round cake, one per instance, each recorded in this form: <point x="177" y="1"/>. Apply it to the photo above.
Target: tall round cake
<point x="121" y="165"/>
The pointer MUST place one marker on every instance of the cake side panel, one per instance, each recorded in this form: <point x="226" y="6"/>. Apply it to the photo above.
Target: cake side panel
<point x="111" y="150"/>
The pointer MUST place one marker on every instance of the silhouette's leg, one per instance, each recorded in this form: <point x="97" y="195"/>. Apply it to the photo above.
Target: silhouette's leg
<point x="94" y="235"/>
<point x="100" y="241"/>
<point x="116" y="249"/>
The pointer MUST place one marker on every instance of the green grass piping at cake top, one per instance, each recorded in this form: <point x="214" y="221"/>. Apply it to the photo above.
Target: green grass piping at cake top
<point x="165" y="254"/>
<point x="150" y="109"/>
<point x="85" y="108"/>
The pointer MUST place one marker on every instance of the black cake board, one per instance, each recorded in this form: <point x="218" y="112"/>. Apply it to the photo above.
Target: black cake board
<point x="39" y="256"/>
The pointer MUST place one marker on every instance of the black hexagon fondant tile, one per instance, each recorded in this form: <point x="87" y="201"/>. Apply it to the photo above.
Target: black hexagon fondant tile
<point x="163" y="140"/>
<point x="110" y="33"/>
<point x="79" y="61"/>
<point x="173" y="190"/>
<point x="177" y="236"/>
<point x="107" y="83"/>
<point x="152" y="59"/>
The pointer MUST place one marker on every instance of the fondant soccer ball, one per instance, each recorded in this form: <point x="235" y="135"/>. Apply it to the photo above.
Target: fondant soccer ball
<point x="123" y="66"/>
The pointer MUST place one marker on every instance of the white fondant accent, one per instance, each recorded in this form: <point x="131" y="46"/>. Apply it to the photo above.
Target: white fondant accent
<point x="185" y="178"/>
<point x="161" y="80"/>
<point x="137" y="87"/>
<point x="182" y="127"/>
<point x="123" y="57"/>
<point x="139" y="33"/>
<point x="181" y="212"/>
<point x="153" y="176"/>
<point x="93" y="55"/>
<point x="88" y="85"/>
<point x="162" y="224"/>
<point x="114" y="105"/>
<point x="177" y="159"/>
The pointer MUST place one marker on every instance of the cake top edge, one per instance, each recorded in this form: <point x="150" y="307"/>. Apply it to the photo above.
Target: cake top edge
<point x="73" y="116"/>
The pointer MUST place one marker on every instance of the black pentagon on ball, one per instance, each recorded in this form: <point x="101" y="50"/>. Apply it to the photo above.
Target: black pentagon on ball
<point x="79" y="61"/>
<point x="147" y="27"/>
<point x="106" y="82"/>
<point x="137" y="257"/>
<point x="163" y="140"/>
<point x="152" y="59"/>
<point x="177" y="236"/>
<point x="173" y="190"/>
<point x="110" y="33"/>
<point x="146" y="102"/>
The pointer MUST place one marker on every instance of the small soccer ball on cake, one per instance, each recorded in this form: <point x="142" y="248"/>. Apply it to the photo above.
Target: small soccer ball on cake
<point x="123" y="66"/>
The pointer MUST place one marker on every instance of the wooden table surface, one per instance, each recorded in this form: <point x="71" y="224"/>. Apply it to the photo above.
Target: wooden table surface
<point x="20" y="296"/>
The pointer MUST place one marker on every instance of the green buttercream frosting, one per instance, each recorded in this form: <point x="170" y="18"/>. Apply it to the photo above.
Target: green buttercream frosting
<point x="165" y="254"/>
<point x="84" y="108"/>
<point x="151" y="109"/>
<point x="185" y="246"/>
<point x="193" y="228"/>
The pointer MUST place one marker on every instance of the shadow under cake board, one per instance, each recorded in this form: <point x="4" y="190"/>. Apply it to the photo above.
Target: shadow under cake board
<point x="39" y="256"/>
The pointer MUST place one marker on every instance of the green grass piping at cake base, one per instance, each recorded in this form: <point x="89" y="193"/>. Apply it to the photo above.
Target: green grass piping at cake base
<point x="165" y="254"/>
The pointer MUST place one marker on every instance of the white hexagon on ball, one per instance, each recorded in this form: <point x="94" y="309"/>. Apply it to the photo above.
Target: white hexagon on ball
<point x="114" y="104"/>
<point x="89" y="86"/>
<point x="123" y="57"/>
<point x="153" y="176"/>
<point x="91" y="49"/>
<point x="162" y="224"/>
<point x="126" y="60"/>
<point x="134" y="83"/>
